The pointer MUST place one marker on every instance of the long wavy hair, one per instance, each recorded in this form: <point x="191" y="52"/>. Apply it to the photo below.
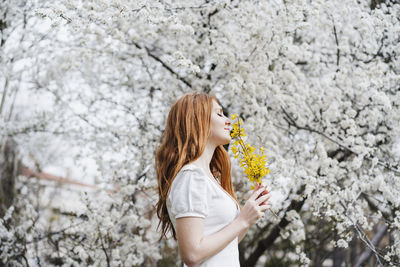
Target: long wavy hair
<point x="182" y="142"/>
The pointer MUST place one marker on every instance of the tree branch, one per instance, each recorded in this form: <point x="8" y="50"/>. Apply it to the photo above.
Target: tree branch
<point x="292" y="122"/>
<point x="156" y="58"/>
<point x="374" y="242"/>
<point x="25" y="171"/>
<point x="337" y="44"/>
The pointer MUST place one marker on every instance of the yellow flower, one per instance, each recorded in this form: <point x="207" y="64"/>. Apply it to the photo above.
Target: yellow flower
<point x="237" y="130"/>
<point x="253" y="163"/>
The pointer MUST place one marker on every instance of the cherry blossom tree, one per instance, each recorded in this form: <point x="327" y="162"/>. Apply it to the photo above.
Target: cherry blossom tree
<point x="316" y="83"/>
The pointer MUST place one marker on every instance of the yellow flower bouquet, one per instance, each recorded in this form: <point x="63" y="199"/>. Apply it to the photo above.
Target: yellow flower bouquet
<point x="253" y="163"/>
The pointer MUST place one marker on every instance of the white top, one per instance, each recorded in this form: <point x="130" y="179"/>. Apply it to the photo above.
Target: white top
<point x="195" y="194"/>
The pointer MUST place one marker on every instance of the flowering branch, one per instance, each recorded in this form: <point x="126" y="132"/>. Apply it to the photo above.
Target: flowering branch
<point x="254" y="164"/>
<point x="291" y="122"/>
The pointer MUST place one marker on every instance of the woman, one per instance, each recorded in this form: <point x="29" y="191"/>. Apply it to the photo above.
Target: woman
<point x="197" y="202"/>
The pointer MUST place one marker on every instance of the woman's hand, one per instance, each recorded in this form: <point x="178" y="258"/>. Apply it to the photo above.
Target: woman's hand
<point x="258" y="186"/>
<point x="255" y="206"/>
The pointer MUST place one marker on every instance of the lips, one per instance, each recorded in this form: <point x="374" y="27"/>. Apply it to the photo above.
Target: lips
<point x="228" y="129"/>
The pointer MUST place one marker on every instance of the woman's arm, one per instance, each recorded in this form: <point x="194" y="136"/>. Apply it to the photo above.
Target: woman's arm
<point x="242" y="234"/>
<point x="194" y="248"/>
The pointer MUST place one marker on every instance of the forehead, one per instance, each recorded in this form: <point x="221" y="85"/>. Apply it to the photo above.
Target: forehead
<point x="216" y="106"/>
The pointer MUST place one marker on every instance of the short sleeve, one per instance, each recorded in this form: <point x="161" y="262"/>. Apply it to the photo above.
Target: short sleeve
<point x="189" y="194"/>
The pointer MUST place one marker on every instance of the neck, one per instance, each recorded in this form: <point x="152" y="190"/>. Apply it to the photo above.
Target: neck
<point x="204" y="160"/>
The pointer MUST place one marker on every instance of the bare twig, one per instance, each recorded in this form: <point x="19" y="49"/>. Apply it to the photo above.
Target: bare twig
<point x="374" y="242"/>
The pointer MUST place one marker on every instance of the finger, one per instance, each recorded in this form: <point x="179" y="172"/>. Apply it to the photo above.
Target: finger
<point x="265" y="207"/>
<point x="258" y="186"/>
<point x="265" y="203"/>
<point x="256" y="193"/>
<point x="264" y="192"/>
<point x="263" y="198"/>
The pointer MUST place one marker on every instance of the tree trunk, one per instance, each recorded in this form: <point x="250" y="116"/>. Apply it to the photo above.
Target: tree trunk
<point x="338" y="257"/>
<point x="9" y="169"/>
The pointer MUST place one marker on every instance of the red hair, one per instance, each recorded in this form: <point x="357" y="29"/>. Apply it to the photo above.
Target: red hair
<point x="183" y="141"/>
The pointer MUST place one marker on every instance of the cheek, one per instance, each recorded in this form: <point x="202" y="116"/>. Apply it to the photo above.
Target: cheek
<point x="214" y="122"/>
<point x="218" y="125"/>
<point x="216" y="128"/>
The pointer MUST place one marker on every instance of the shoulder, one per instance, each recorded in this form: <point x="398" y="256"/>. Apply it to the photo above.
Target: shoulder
<point x="190" y="175"/>
<point x="191" y="168"/>
<point x="189" y="194"/>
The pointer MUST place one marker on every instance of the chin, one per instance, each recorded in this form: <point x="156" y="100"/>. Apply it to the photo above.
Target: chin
<point x="226" y="141"/>
<point x="222" y="140"/>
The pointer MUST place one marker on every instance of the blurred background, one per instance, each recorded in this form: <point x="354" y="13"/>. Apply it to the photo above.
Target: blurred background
<point x="86" y="86"/>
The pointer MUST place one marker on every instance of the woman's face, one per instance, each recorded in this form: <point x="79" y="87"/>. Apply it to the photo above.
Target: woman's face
<point x="220" y="126"/>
